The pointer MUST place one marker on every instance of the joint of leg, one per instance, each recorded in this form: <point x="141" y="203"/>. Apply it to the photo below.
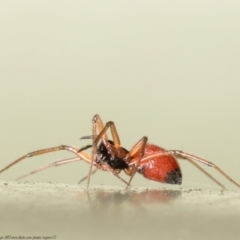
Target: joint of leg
<point x="145" y="138"/>
<point x="29" y="155"/>
<point x="177" y="153"/>
<point x="210" y="164"/>
<point x="141" y="154"/>
<point x="95" y="118"/>
<point x="108" y="124"/>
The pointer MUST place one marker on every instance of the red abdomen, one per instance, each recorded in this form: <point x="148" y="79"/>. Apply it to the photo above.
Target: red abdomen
<point x="161" y="168"/>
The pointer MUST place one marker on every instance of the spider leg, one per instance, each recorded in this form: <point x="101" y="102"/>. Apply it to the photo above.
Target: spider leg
<point x="70" y="160"/>
<point x="82" y="155"/>
<point x="207" y="174"/>
<point x="87" y="137"/>
<point x="137" y="150"/>
<point x="83" y="179"/>
<point x="97" y="125"/>
<point x="105" y="167"/>
<point x="139" y="147"/>
<point x="84" y="148"/>
<point x="114" y="172"/>
<point x="99" y="132"/>
<point x="54" y="164"/>
<point x="190" y="157"/>
<point x="102" y="132"/>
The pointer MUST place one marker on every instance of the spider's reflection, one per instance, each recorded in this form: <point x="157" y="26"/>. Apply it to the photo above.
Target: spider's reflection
<point x="106" y="199"/>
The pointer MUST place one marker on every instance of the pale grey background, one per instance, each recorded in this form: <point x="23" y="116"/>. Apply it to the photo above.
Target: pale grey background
<point x="165" y="69"/>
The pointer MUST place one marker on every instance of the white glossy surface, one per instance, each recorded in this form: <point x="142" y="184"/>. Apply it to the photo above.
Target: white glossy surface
<point x="68" y="212"/>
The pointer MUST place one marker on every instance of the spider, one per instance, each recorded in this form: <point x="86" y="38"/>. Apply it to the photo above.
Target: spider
<point x="149" y="160"/>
